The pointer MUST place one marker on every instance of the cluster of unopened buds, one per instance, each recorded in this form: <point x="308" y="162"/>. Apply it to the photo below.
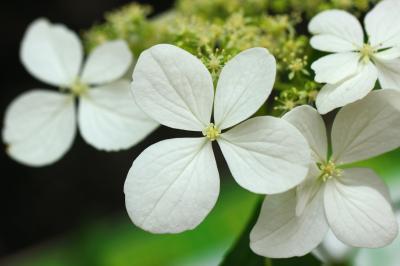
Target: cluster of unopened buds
<point x="172" y="185"/>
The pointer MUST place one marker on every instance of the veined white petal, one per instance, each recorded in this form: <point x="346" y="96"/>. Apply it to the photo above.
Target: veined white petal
<point x="336" y="67"/>
<point x="107" y="62"/>
<point x="308" y="189"/>
<point x="39" y="127"/>
<point x="388" y="54"/>
<point x="389" y="73"/>
<point x="331" y="43"/>
<point x="335" y="25"/>
<point x="312" y="126"/>
<point x="333" y="250"/>
<point x="109" y="118"/>
<point x="367" y="128"/>
<point x="382" y="24"/>
<point x="172" y="185"/>
<point x="350" y="90"/>
<point x="266" y="155"/>
<point x="357" y="212"/>
<point x="51" y="53"/>
<point x="279" y="233"/>
<point x="388" y="256"/>
<point x="244" y="85"/>
<point x="173" y="87"/>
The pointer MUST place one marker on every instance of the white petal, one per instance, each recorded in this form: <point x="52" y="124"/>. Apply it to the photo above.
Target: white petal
<point x="341" y="30"/>
<point x="350" y="90"/>
<point x="367" y="128"/>
<point x="107" y="62"/>
<point x="332" y="249"/>
<point x="172" y="185"/>
<point x="382" y="24"/>
<point x="279" y="233"/>
<point x="244" y="85"/>
<point x="388" y="54"/>
<point x="312" y="126"/>
<point x="109" y="118"/>
<point x="173" y="87"/>
<point x="308" y="189"/>
<point x="388" y="256"/>
<point x="336" y="67"/>
<point x="51" y="52"/>
<point x="266" y="155"/>
<point x="357" y="212"/>
<point x="39" y="127"/>
<point x="389" y="73"/>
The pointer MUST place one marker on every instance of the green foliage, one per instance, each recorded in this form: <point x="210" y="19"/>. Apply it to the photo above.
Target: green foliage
<point x="217" y="30"/>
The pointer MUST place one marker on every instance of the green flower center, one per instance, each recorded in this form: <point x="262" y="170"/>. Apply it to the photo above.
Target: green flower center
<point x="329" y="170"/>
<point x="367" y="51"/>
<point x="211" y="132"/>
<point x="79" y="88"/>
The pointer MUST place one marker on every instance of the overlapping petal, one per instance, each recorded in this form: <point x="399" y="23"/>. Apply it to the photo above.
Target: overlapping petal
<point x="173" y="87"/>
<point x="310" y="123"/>
<point x="389" y="73"/>
<point x="51" y="53"/>
<point x="172" y="185"/>
<point x="350" y="90"/>
<point x="357" y="212"/>
<point x="336" y="67"/>
<point x="382" y="24"/>
<point x="367" y="128"/>
<point x="280" y="233"/>
<point x="110" y="120"/>
<point x="266" y="155"/>
<point x="39" y="127"/>
<point x="108" y="62"/>
<point x="244" y="85"/>
<point x="337" y="31"/>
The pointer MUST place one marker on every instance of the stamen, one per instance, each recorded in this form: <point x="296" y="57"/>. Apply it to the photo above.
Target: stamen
<point x="211" y="132"/>
<point x="329" y="170"/>
<point x="79" y="88"/>
<point x="367" y="51"/>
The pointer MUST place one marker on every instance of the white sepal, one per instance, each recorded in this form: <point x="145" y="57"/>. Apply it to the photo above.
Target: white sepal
<point x="39" y="127"/>
<point x="173" y="87"/>
<point x="51" y="53"/>
<point x="266" y="155"/>
<point x="244" y="85"/>
<point x="172" y="185"/>
<point x="279" y="233"/>
<point x="107" y="62"/>
<point x="109" y="118"/>
<point x="357" y="212"/>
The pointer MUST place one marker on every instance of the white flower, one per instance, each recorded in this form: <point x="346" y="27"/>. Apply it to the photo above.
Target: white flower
<point x="352" y="71"/>
<point x="353" y="202"/>
<point x="40" y="125"/>
<point x="174" y="183"/>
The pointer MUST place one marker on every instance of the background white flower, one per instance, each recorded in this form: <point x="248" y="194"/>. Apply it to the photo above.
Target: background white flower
<point x="40" y="125"/>
<point x="353" y="202"/>
<point x="351" y="72"/>
<point x="174" y="183"/>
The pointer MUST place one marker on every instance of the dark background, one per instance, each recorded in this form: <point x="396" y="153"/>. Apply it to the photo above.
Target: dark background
<point x="41" y="203"/>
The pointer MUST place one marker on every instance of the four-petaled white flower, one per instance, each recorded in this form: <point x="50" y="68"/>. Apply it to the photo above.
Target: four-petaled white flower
<point x="351" y="201"/>
<point x="174" y="183"/>
<point x="352" y="71"/>
<point x="40" y="125"/>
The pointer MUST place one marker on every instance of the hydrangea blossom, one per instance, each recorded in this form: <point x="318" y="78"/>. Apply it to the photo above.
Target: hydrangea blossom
<point x="352" y="71"/>
<point x="40" y="125"/>
<point x="353" y="202"/>
<point x="174" y="183"/>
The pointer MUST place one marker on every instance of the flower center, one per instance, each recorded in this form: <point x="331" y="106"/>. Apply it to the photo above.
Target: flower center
<point x="211" y="132"/>
<point x="78" y="88"/>
<point x="329" y="170"/>
<point x="367" y="51"/>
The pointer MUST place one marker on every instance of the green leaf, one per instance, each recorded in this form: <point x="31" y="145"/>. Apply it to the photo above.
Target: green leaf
<point x="240" y="254"/>
<point x="308" y="260"/>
